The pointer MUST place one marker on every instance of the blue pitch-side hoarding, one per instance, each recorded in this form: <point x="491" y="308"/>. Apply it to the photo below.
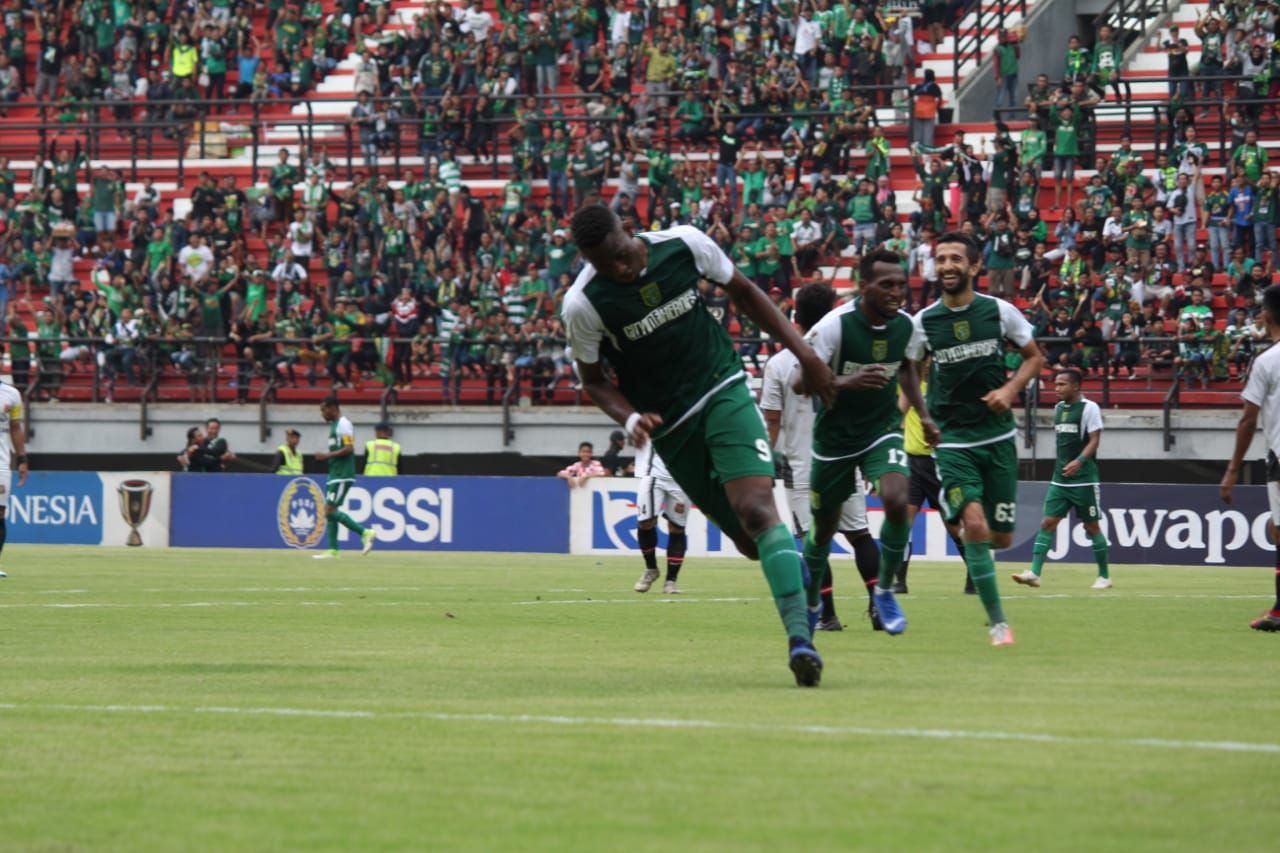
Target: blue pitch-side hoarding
<point x="1165" y="524"/>
<point x="56" y="507"/>
<point x="408" y="513"/>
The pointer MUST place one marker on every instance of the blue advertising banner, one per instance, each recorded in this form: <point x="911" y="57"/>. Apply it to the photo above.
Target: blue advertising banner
<point x="56" y="507"/>
<point x="1158" y="525"/>
<point x="408" y="513"/>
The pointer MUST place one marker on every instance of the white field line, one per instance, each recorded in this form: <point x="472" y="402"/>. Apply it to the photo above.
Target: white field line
<point x="566" y="602"/>
<point x="666" y="723"/>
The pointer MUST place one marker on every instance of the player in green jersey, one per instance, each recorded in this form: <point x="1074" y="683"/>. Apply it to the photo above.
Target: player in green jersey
<point x="342" y="476"/>
<point x="1077" y="423"/>
<point x="971" y="397"/>
<point x="865" y="342"/>
<point x="679" y="381"/>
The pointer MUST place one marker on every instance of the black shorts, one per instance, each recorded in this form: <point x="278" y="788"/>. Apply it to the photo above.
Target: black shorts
<point x="925" y="485"/>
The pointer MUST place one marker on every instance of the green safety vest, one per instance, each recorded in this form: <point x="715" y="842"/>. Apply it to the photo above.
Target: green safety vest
<point x="381" y="458"/>
<point x="292" y="464"/>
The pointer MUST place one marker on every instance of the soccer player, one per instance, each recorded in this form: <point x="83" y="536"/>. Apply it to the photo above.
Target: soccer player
<point x="680" y="382"/>
<point x="1078" y="425"/>
<point x="865" y="342"/>
<point x="657" y="494"/>
<point x="1262" y="394"/>
<point x="788" y="417"/>
<point x="13" y="450"/>
<point x="971" y="398"/>
<point x="924" y="484"/>
<point x="342" y="475"/>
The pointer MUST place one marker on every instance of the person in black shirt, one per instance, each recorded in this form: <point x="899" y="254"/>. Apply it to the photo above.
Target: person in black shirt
<point x="730" y="143"/>
<point x="612" y="459"/>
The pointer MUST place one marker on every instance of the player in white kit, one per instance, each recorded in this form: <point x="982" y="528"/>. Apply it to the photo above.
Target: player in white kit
<point x="12" y="452"/>
<point x="1261" y="396"/>
<point x="657" y="494"/>
<point x="789" y="418"/>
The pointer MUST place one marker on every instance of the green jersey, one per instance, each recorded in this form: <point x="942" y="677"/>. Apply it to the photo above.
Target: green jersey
<point x="968" y="362"/>
<point x="1072" y="424"/>
<point x="670" y="354"/>
<point x="342" y="434"/>
<point x="847" y="340"/>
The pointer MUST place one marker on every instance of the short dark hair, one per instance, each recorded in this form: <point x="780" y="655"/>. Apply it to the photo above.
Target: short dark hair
<point x="1072" y="374"/>
<point x="331" y="400"/>
<point x="880" y="255"/>
<point x="813" y="302"/>
<point x="1271" y="300"/>
<point x="588" y="445"/>
<point x="213" y="421"/>
<point x="971" y="245"/>
<point x="593" y="224"/>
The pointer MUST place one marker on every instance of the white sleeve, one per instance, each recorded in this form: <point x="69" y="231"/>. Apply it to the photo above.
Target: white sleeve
<point x="345" y="428"/>
<point x="825" y="336"/>
<point x="1260" y="384"/>
<point x="1091" y="418"/>
<point x="1013" y="325"/>
<point x="918" y="346"/>
<point x="711" y="261"/>
<point x="582" y="324"/>
<point x="771" y="386"/>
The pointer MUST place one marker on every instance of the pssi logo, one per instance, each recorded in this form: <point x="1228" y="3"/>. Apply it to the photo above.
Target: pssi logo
<point x="298" y="513"/>
<point x="613" y="523"/>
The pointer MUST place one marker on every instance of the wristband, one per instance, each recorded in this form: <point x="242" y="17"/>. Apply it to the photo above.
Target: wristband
<point x="22" y="460"/>
<point x="1081" y="460"/>
<point x="630" y="426"/>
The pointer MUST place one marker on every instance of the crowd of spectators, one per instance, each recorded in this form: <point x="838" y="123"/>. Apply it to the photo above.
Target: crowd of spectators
<point x="414" y="278"/>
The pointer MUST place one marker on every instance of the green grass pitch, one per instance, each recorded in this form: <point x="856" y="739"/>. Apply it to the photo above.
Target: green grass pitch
<point x="260" y="700"/>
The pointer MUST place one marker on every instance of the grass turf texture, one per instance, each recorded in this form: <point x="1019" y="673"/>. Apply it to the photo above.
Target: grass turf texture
<point x="451" y="666"/>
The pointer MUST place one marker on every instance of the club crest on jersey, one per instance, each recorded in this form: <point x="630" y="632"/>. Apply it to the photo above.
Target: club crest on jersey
<point x="879" y="350"/>
<point x="651" y="294"/>
<point x="960" y="328"/>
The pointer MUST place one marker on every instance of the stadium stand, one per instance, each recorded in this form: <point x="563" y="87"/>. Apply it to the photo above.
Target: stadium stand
<point x="260" y="202"/>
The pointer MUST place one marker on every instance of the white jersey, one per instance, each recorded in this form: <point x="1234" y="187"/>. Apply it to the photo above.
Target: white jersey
<point x="795" y="442"/>
<point x="795" y="438"/>
<point x="10" y="410"/>
<point x="1263" y="390"/>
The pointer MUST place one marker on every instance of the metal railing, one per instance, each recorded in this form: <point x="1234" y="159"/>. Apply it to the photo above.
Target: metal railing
<point x="1133" y="112"/>
<point x="969" y="46"/>
<point x="1130" y="19"/>
<point x="146" y="126"/>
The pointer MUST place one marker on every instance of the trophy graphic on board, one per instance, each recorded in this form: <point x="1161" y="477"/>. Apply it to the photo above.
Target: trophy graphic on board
<point x="135" y="503"/>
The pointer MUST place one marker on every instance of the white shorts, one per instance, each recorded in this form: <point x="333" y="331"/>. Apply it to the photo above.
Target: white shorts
<point x="6" y="486"/>
<point x="853" y="514"/>
<point x="1273" y="498"/>
<point x="657" y="496"/>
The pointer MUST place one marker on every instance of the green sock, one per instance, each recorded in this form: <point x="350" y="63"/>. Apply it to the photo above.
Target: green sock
<point x="894" y="537"/>
<point x="347" y="522"/>
<point x="331" y="530"/>
<point x="1040" y="550"/>
<point x="982" y="568"/>
<point x="1100" y="553"/>
<point x="816" y="557"/>
<point x="781" y="563"/>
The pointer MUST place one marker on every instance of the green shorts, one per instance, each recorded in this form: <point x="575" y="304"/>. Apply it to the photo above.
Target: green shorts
<point x="832" y="481"/>
<point x="988" y="475"/>
<point x="1085" y="500"/>
<point x="725" y="441"/>
<point x="335" y="492"/>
